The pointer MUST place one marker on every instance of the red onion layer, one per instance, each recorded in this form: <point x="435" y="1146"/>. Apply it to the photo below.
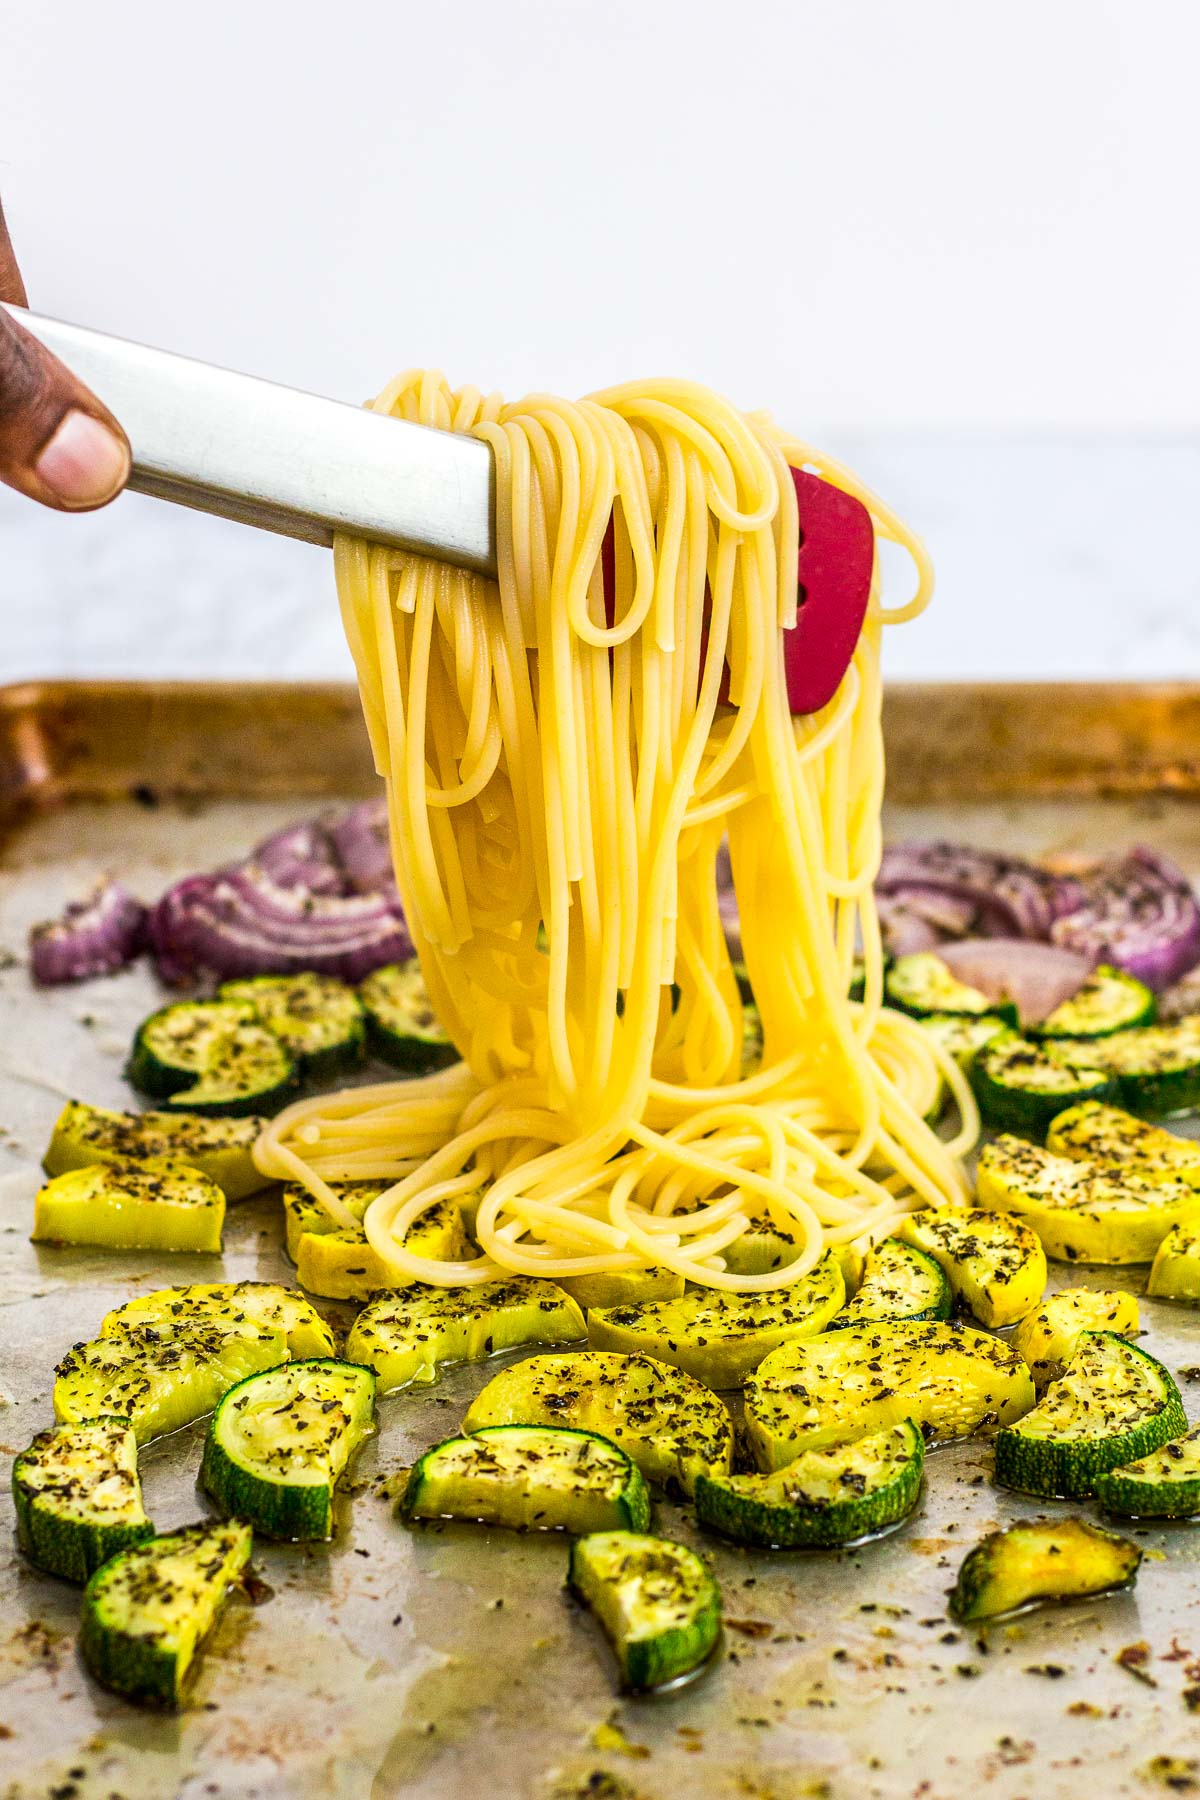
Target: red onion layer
<point x="240" y="922"/>
<point x="1140" y="914"/>
<point x="1035" y="977"/>
<point x="96" y="936"/>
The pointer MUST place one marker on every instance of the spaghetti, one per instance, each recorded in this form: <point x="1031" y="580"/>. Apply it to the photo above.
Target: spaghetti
<point x="563" y="764"/>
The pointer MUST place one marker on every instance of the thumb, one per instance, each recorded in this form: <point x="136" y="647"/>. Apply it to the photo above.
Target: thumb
<point x="58" y="444"/>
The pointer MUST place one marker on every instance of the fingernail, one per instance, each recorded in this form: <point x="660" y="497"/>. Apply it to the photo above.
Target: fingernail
<point x="84" y="463"/>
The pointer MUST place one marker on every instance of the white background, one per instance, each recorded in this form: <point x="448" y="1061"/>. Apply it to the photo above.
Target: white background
<point x="956" y="241"/>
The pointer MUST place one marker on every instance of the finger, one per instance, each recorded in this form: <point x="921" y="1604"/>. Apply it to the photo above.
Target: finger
<point x="57" y="443"/>
<point x="12" y="288"/>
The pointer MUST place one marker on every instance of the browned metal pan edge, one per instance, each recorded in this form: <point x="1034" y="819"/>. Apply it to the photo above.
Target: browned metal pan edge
<point x="970" y="741"/>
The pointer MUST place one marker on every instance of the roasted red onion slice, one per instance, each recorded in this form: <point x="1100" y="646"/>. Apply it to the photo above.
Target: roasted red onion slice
<point x="240" y="922"/>
<point x="1008" y="897"/>
<point x="301" y="856"/>
<point x="362" y="846"/>
<point x="1140" y="914"/>
<point x="1037" y="977"/>
<point x="96" y="936"/>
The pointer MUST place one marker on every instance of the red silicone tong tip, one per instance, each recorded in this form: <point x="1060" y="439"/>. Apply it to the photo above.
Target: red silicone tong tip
<point x="837" y="556"/>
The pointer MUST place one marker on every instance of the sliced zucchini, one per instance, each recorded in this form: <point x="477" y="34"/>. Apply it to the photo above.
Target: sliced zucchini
<point x="741" y="975"/>
<point x="622" y="1287"/>
<point x="339" y="1263"/>
<point x="672" y="1427"/>
<point x="265" y="1303"/>
<point x="1156" y="1068"/>
<point x="1061" y="1559"/>
<point x="1081" y="1211"/>
<point x="763" y="1247"/>
<point x="303" y="1212"/>
<point x="1114" y="1404"/>
<point x="410" y="1334"/>
<point x="858" y="979"/>
<point x="1109" y="1000"/>
<point x="158" y="1204"/>
<point x="1116" y="1140"/>
<point x="994" y="1263"/>
<point x="1175" y="1271"/>
<point x="721" y="1338"/>
<point x="280" y="1440"/>
<point x="898" y="1282"/>
<point x="317" y="1017"/>
<point x="78" y="1498"/>
<point x="222" y="1149"/>
<point x="1021" y="1086"/>
<point x="146" y="1612"/>
<point x="1049" y="1337"/>
<point x="210" y="1056"/>
<point x="824" y="1498"/>
<point x="947" y="1379"/>
<point x="530" y="1478"/>
<point x="922" y="983"/>
<point x="963" y="1035"/>
<point x="160" y="1377"/>
<point x="402" y="1026"/>
<point x="657" y="1602"/>
<point x="1163" y="1485"/>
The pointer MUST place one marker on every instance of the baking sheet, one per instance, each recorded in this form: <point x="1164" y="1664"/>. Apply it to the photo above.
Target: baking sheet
<point x="448" y="1661"/>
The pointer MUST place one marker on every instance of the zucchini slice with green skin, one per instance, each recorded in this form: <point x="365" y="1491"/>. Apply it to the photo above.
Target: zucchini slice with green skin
<point x="78" y="1498"/>
<point x="340" y="1264"/>
<point x="1109" y="1000"/>
<point x="963" y="1035"/>
<point x="265" y="1303"/>
<point x="222" y="1149"/>
<point x="160" y="1377"/>
<point x="1114" y="1404"/>
<point x="622" y="1287"/>
<point x="824" y="1498"/>
<point x="1022" y="1086"/>
<point x="146" y="1611"/>
<point x="1115" y="1139"/>
<point x="656" y="1600"/>
<point x="949" y="1380"/>
<point x="1060" y="1559"/>
<point x="1049" y="1337"/>
<point x="158" y="1204"/>
<point x="1156" y="1068"/>
<point x="530" y="1478"/>
<point x="672" y="1427"/>
<point x="211" y="1056"/>
<point x="410" y="1334"/>
<point x="1163" y="1485"/>
<point x="279" y="1442"/>
<point x="317" y="1017"/>
<point x="722" y="1338"/>
<point x="921" y="984"/>
<point x="402" y="1027"/>
<point x="1175" y="1271"/>
<point x="994" y="1263"/>
<point x="741" y="975"/>
<point x="898" y="1282"/>
<point x="1081" y="1211"/>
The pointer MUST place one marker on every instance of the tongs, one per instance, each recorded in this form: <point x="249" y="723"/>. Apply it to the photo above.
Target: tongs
<point x="305" y="467"/>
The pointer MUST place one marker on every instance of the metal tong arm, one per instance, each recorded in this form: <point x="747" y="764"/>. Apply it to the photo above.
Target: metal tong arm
<point x="281" y="459"/>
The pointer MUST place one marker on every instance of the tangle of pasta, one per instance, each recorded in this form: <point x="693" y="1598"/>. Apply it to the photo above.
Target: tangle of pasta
<point x="562" y="769"/>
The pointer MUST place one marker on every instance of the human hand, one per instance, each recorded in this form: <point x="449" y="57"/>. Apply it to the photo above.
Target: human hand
<point x="57" y="443"/>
